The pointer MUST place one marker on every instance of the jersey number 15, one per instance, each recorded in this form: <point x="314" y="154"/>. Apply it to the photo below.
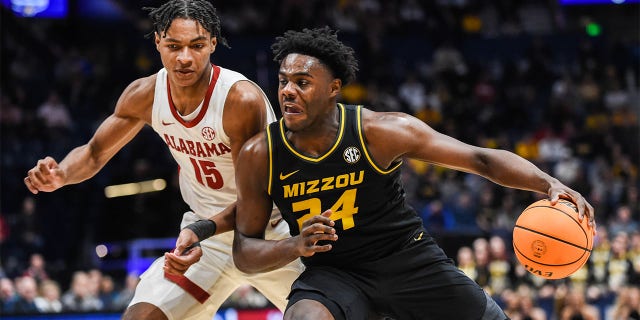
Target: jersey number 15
<point x="206" y="172"/>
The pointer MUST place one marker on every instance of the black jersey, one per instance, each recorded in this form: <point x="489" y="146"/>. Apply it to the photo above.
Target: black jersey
<point x="371" y="217"/>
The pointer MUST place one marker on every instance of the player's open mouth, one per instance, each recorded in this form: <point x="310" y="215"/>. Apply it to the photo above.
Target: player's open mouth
<point x="184" y="71"/>
<point x="292" y="109"/>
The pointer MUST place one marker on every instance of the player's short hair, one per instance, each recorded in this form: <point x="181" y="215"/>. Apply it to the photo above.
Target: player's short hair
<point x="201" y="11"/>
<point x="323" y="44"/>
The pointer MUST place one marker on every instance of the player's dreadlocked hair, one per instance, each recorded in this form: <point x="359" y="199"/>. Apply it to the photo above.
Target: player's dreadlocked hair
<point x="323" y="44"/>
<point x="198" y="10"/>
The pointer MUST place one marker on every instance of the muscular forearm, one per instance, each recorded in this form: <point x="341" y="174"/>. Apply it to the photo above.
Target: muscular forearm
<point x="226" y="219"/>
<point x="80" y="164"/>
<point x="252" y="255"/>
<point x="510" y="170"/>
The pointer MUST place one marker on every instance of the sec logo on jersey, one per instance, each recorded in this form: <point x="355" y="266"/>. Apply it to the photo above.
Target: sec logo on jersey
<point x="351" y="155"/>
<point x="208" y="133"/>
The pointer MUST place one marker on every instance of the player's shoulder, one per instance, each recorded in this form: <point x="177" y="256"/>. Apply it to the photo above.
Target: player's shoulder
<point x="239" y="84"/>
<point x="245" y="91"/>
<point x="385" y="120"/>
<point x="138" y="95"/>
<point x="142" y="87"/>
<point x="256" y="147"/>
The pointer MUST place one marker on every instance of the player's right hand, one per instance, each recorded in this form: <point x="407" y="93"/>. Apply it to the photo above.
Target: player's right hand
<point x="184" y="255"/>
<point x="46" y="176"/>
<point x="315" y="229"/>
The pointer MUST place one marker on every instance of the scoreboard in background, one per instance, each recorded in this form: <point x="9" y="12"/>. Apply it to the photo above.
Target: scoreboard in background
<point x="38" y="8"/>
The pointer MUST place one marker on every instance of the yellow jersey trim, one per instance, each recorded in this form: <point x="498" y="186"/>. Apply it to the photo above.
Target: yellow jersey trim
<point x="270" y="145"/>
<point x="364" y="146"/>
<point x="335" y="145"/>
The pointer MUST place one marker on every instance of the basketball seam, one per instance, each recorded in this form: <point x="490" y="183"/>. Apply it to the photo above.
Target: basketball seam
<point x="549" y="264"/>
<point x="554" y="238"/>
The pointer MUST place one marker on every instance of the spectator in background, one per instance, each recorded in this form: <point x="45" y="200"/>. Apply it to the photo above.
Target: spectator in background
<point x="465" y="213"/>
<point x="26" y="230"/>
<point x="510" y="303"/>
<point x="482" y="256"/>
<point x="49" y="299"/>
<point x="448" y="61"/>
<point x="575" y="307"/>
<point x="600" y="255"/>
<point x="436" y="218"/>
<point x="500" y="266"/>
<point x="27" y="290"/>
<point x="466" y="262"/>
<point x="619" y="267"/>
<point x="528" y="308"/>
<point x="54" y="113"/>
<point x="634" y="256"/>
<point x="125" y="295"/>
<point x="95" y="280"/>
<point x="412" y="93"/>
<point x="4" y="233"/>
<point x="627" y="305"/>
<point x="78" y="298"/>
<point x="8" y="296"/>
<point x="108" y="294"/>
<point x="37" y="268"/>
<point x="623" y="222"/>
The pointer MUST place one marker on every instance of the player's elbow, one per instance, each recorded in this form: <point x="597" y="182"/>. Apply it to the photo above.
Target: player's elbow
<point x="244" y="264"/>
<point x="240" y="261"/>
<point x="241" y="258"/>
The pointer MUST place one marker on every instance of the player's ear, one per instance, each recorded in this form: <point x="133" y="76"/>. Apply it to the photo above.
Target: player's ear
<point x="335" y="87"/>
<point x="213" y="44"/>
<point x="156" y="39"/>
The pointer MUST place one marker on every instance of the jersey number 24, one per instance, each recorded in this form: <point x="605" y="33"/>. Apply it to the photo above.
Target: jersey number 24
<point x="343" y="209"/>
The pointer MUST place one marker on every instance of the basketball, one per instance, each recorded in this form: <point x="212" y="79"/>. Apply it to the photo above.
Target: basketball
<point x="550" y="241"/>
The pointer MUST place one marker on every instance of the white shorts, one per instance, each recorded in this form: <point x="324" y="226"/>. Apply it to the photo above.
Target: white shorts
<point x="217" y="274"/>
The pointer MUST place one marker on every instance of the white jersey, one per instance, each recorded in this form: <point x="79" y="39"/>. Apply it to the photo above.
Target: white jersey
<point x="199" y="144"/>
<point x="203" y="151"/>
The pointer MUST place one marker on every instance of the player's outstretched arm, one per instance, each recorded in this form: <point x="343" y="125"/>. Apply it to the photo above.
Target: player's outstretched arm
<point x="415" y="139"/>
<point x="251" y="252"/>
<point x="132" y="111"/>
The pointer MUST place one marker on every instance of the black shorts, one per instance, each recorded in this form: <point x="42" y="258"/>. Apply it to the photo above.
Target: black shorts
<point x="418" y="282"/>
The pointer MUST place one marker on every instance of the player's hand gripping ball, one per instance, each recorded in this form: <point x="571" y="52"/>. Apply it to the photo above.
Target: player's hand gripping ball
<point x="550" y="241"/>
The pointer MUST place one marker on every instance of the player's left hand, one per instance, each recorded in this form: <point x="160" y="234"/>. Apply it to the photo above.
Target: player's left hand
<point x="186" y="253"/>
<point x="560" y="191"/>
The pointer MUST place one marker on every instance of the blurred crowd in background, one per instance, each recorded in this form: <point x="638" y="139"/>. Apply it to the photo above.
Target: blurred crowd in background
<point x="558" y="85"/>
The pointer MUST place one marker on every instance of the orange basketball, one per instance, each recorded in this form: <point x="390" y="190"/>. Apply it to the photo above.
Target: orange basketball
<point x="550" y="241"/>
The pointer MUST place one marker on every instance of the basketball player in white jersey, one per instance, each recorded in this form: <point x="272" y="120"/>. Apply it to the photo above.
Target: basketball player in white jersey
<point x="204" y="113"/>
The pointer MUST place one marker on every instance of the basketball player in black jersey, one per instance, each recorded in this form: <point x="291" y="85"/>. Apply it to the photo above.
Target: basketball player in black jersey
<point x="333" y="170"/>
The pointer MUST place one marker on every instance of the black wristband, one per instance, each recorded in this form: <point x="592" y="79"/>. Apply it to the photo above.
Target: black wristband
<point x="203" y="229"/>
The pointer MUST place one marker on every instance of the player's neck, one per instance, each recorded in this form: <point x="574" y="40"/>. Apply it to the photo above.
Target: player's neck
<point x="320" y="137"/>
<point x="186" y="99"/>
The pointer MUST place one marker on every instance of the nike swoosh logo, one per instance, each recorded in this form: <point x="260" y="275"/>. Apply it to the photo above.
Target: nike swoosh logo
<point x="167" y="123"/>
<point x="284" y="176"/>
<point x="274" y="223"/>
<point x="419" y="237"/>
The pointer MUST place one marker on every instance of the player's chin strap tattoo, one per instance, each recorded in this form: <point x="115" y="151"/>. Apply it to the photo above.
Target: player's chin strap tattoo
<point x="203" y="230"/>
